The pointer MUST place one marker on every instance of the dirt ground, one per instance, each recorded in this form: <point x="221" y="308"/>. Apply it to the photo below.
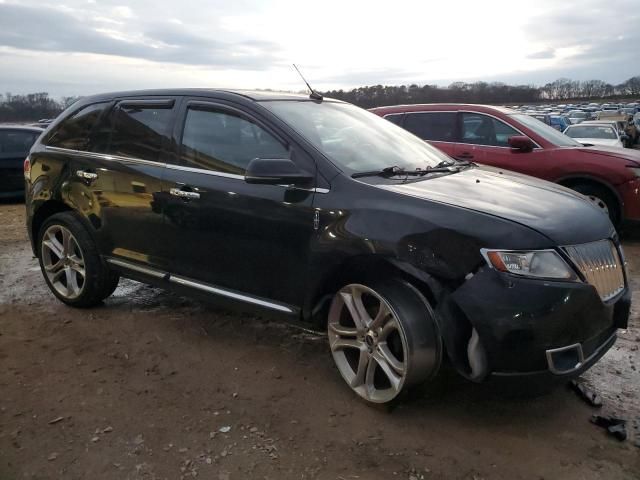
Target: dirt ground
<point x="155" y="386"/>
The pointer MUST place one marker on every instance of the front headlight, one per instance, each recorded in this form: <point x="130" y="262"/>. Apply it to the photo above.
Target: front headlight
<point x="537" y="263"/>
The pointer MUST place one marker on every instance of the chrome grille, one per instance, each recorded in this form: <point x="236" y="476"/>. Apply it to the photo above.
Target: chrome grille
<point x="601" y="266"/>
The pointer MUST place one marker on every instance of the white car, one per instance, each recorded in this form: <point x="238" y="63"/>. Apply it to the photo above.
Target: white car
<point x="594" y="133"/>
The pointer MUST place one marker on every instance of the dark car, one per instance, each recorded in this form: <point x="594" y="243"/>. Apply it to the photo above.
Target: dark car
<point x="15" y="143"/>
<point x="504" y="138"/>
<point x="323" y="212"/>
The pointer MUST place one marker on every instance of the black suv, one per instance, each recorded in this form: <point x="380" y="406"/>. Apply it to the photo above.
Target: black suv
<point x="323" y="212"/>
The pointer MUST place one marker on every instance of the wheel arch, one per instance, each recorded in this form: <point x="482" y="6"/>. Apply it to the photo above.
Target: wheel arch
<point x="361" y="267"/>
<point x="40" y="215"/>
<point x="582" y="179"/>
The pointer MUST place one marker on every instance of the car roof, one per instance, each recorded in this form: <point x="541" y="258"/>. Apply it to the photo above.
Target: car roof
<point x="595" y="122"/>
<point x="255" y="95"/>
<point x="443" y="106"/>
<point x="8" y="126"/>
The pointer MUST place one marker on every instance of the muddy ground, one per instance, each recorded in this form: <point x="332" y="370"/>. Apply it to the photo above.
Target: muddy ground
<point x="155" y="386"/>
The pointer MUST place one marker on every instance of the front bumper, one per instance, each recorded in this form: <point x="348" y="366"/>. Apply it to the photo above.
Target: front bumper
<point x="528" y="326"/>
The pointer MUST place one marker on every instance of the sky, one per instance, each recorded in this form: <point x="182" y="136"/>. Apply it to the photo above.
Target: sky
<point x="81" y="47"/>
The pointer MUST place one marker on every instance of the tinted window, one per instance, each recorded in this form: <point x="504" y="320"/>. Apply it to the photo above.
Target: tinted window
<point x="438" y="126"/>
<point x="394" y="118"/>
<point x="225" y="142"/>
<point x="16" y="141"/>
<point x="139" y="131"/>
<point x="73" y="133"/>
<point x="481" y="129"/>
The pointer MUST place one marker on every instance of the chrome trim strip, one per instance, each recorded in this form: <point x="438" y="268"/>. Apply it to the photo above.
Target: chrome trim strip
<point x="583" y="361"/>
<point x="200" y="286"/>
<point x="206" y="172"/>
<point x="116" y="158"/>
<point x="104" y="156"/>
<point x="138" y="268"/>
<point x="229" y="294"/>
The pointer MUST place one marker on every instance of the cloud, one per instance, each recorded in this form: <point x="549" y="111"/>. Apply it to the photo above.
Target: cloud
<point x="542" y="54"/>
<point x="53" y="30"/>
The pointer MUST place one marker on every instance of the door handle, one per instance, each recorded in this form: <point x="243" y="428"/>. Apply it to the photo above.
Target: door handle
<point x="86" y="175"/>
<point x="465" y="156"/>
<point x="176" y="192"/>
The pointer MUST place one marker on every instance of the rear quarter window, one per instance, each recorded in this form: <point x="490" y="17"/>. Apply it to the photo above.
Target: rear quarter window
<point x="73" y="133"/>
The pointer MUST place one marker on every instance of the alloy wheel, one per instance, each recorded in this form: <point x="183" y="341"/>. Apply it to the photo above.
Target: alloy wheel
<point x="368" y="343"/>
<point x="63" y="261"/>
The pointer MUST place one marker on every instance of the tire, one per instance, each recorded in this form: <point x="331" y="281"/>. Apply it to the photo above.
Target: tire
<point x="383" y="338"/>
<point x="602" y="198"/>
<point x="70" y="262"/>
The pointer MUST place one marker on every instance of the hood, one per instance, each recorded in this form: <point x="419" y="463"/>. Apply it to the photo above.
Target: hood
<point x="628" y="154"/>
<point x="562" y="215"/>
<point x="600" y="142"/>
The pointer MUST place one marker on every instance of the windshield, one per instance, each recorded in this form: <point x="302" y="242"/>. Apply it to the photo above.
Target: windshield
<point x="592" y="131"/>
<point x="354" y="139"/>
<point x="577" y="115"/>
<point x="550" y="134"/>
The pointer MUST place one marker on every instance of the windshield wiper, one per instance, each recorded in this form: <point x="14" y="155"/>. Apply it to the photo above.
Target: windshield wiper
<point x="396" y="171"/>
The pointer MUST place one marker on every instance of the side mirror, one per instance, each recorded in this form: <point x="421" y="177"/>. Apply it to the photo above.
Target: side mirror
<point x="624" y="137"/>
<point x="521" y="143"/>
<point x="276" y="171"/>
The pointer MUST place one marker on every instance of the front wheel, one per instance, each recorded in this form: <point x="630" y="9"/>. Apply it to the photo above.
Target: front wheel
<point x="383" y="338"/>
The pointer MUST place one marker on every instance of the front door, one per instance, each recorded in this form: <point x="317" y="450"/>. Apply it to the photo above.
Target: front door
<point x="251" y="239"/>
<point x="485" y="139"/>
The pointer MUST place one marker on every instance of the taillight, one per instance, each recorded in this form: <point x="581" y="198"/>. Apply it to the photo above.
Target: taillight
<point x="27" y="168"/>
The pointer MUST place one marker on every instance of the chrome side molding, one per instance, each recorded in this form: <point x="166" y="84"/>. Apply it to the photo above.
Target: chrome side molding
<point x="186" y="282"/>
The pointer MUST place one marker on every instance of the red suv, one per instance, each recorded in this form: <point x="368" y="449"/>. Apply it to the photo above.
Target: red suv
<point x="507" y="139"/>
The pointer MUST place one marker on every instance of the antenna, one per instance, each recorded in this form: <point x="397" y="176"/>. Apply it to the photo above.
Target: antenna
<point x="313" y="95"/>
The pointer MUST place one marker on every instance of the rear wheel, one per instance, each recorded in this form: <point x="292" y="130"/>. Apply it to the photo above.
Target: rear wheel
<point x="601" y="198"/>
<point x="383" y="338"/>
<point x="71" y="264"/>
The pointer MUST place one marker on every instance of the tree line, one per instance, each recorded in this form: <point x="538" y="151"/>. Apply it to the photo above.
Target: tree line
<point x="34" y="106"/>
<point x="31" y="107"/>
<point x="563" y="89"/>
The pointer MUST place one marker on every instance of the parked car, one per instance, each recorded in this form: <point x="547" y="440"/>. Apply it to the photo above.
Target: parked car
<point x="323" y="212"/>
<point x="497" y="136"/>
<point x="559" y="122"/>
<point x="592" y="133"/>
<point x="625" y="124"/>
<point x="15" y="142"/>
<point x="577" y="116"/>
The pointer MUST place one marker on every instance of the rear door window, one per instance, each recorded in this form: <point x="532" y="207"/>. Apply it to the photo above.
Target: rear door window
<point x="479" y="129"/>
<point x="435" y="126"/>
<point x="224" y="141"/>
<point x="137" y="129"/>
<point x="73" y="133"/>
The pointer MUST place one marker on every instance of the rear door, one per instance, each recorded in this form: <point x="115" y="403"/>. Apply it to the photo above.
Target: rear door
<point x="485" y="139"/>
<point x="252" y="239"/>
<point x="437" y="128"/>
<point x="116" y="183"/>
<point x="14" y="148"/>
